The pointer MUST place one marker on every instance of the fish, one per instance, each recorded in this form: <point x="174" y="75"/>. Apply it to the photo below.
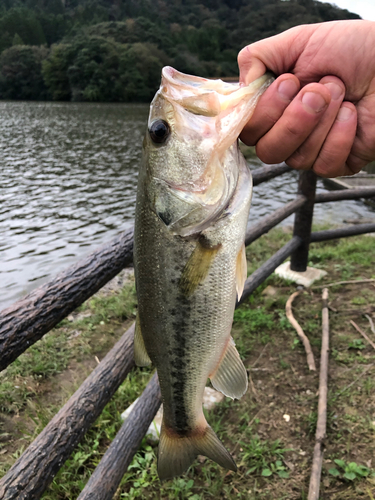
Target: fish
<point x="193" y="200"/>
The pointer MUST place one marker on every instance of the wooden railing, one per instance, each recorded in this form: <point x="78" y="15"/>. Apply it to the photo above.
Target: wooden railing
<point x="26" y="321"/>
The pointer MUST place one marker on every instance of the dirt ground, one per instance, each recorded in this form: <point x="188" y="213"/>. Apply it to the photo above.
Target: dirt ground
<point x="270" y="431"/>
<point x="283" y="394"/>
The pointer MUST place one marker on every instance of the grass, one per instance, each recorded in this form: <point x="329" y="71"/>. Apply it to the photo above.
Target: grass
<point x="71" y="340"/>
<point x="273" y="455"/>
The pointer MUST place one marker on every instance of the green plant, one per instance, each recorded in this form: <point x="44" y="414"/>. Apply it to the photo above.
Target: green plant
<point x="359" y="301"/>
<point x="356" y="344"/>
<point x="254" y="319"/>
<point x="276" y="468"/>
<point x="350" y="471"/>
<point x="264" y="457"/>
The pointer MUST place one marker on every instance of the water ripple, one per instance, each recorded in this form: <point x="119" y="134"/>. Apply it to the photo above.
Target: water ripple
<point x="67" y="185"/>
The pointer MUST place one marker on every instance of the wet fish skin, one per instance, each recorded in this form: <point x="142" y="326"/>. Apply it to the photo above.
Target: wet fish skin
<point x="193" y="200"/>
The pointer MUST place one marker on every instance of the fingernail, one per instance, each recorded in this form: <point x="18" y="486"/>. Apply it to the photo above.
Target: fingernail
<point x="313" y="102"/>
<point x="335" y="90"/>
<point x="344" y="114"/>
<point x="288" y="89"/>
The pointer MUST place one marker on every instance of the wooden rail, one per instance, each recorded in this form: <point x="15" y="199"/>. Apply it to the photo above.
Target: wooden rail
<point x="270" y="221"/>
<point x="342" y="232"/>
<point x="106" y="478"/>
<point x="35" y="469"/>
<point x="264" y="174"/>
<point x="262" y="273"/>
<point x="345" y="194"/>
<point x="30" y="318"/>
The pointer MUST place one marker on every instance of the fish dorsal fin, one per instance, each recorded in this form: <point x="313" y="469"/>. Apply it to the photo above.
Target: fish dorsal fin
<point x="241" y="271"/>
<point x="230" y="378"/>
<point x="140" y="354"/>
<point x="197" y="267"/>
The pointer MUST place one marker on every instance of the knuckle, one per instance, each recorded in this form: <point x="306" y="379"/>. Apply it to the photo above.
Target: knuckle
<point x="299" y="161"/>
<point x="329" y="164"/>
<point x="293" y="129"/>
<point x="267" y="155"/>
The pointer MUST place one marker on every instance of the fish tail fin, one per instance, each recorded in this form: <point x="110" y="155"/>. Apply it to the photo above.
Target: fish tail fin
<point x="177" y="453"/>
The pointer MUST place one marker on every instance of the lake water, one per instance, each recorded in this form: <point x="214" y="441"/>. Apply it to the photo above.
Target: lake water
<point x="67" y="185"/>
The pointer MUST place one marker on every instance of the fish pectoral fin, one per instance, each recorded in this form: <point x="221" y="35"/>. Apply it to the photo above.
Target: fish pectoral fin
<point x="141" y="357"/>
<point x="177" y="453"/>
<point x="197" y="267"/>
<point x="241" y="271"/>
<point x="230" y="378"/>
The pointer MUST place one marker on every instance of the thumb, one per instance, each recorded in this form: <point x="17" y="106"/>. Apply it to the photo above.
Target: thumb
<point x="278" y="53"/>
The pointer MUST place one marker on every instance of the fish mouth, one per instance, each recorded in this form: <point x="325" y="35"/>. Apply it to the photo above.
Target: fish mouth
<point x="205" y="97"/>
<point x="209" y="114"/>
<point x="221" y="109"/>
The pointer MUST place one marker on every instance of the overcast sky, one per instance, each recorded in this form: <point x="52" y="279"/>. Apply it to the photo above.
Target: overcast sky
<point x="365" y="8"/>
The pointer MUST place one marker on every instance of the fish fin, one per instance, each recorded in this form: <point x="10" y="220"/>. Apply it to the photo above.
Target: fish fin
<point x="140" y="354"/>
<point x="230" y="377"/>
<point x="241" y="271"/>
<point x="197" y="267"/>
<point x="177" y="453"/>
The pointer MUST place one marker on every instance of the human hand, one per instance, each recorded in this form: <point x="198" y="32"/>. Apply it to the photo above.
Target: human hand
<point x="315" y="127"/>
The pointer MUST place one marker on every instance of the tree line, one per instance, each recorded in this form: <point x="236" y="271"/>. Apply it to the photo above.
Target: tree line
<point x="113" y="50"/>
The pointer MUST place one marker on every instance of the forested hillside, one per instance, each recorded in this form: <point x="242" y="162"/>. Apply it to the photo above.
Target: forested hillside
<point x="113" y="50"/>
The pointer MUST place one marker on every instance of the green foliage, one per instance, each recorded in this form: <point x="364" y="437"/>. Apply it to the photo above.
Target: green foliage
<point x="21" y="73"/>
<point x="276" y="468"/>
<point x="350" y="471"/>
<point x="254" y="319"/>
<point x="55" y="72"/>
<point x="356" y="344"/>
<point x="22" y="22"/>
<point x="100" y="69"/>
<point x="47" y="357"/>
<point x="114" y="51"/>
<point x="121" y="305"/>
<point x="264" y="457"/>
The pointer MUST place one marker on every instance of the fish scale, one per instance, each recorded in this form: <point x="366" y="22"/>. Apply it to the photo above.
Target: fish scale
<point x="189" y="258"/>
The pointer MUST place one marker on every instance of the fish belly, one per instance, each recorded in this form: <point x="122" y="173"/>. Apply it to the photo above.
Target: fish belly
<point x="185" y="335"/>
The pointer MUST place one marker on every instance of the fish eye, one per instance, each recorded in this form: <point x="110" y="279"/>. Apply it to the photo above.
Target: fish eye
<point x="159" y="131"/>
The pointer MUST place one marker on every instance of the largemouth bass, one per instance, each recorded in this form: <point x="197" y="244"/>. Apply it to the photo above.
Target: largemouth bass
<point x="193" y="200"/>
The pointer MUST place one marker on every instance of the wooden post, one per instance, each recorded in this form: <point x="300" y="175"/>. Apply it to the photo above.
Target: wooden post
<point x="303" y="220"/>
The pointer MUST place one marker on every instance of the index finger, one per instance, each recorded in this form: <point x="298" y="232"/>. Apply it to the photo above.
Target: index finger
<point x="278" y="53"/>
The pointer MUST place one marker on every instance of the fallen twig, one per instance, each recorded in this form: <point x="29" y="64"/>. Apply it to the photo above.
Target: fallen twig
<point x="351" y="282"/>
<point x="253" y="387"/>
<point x="260" y="355"/>
<point x="356" y="311"/>
<point x="371" y="323"/>
<point x="321" y="425"/>
<point x="364" y="335"/>
<point x="248" y="425"/>
<point x="355" y="380"/>
<point x="302" y="336"/>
